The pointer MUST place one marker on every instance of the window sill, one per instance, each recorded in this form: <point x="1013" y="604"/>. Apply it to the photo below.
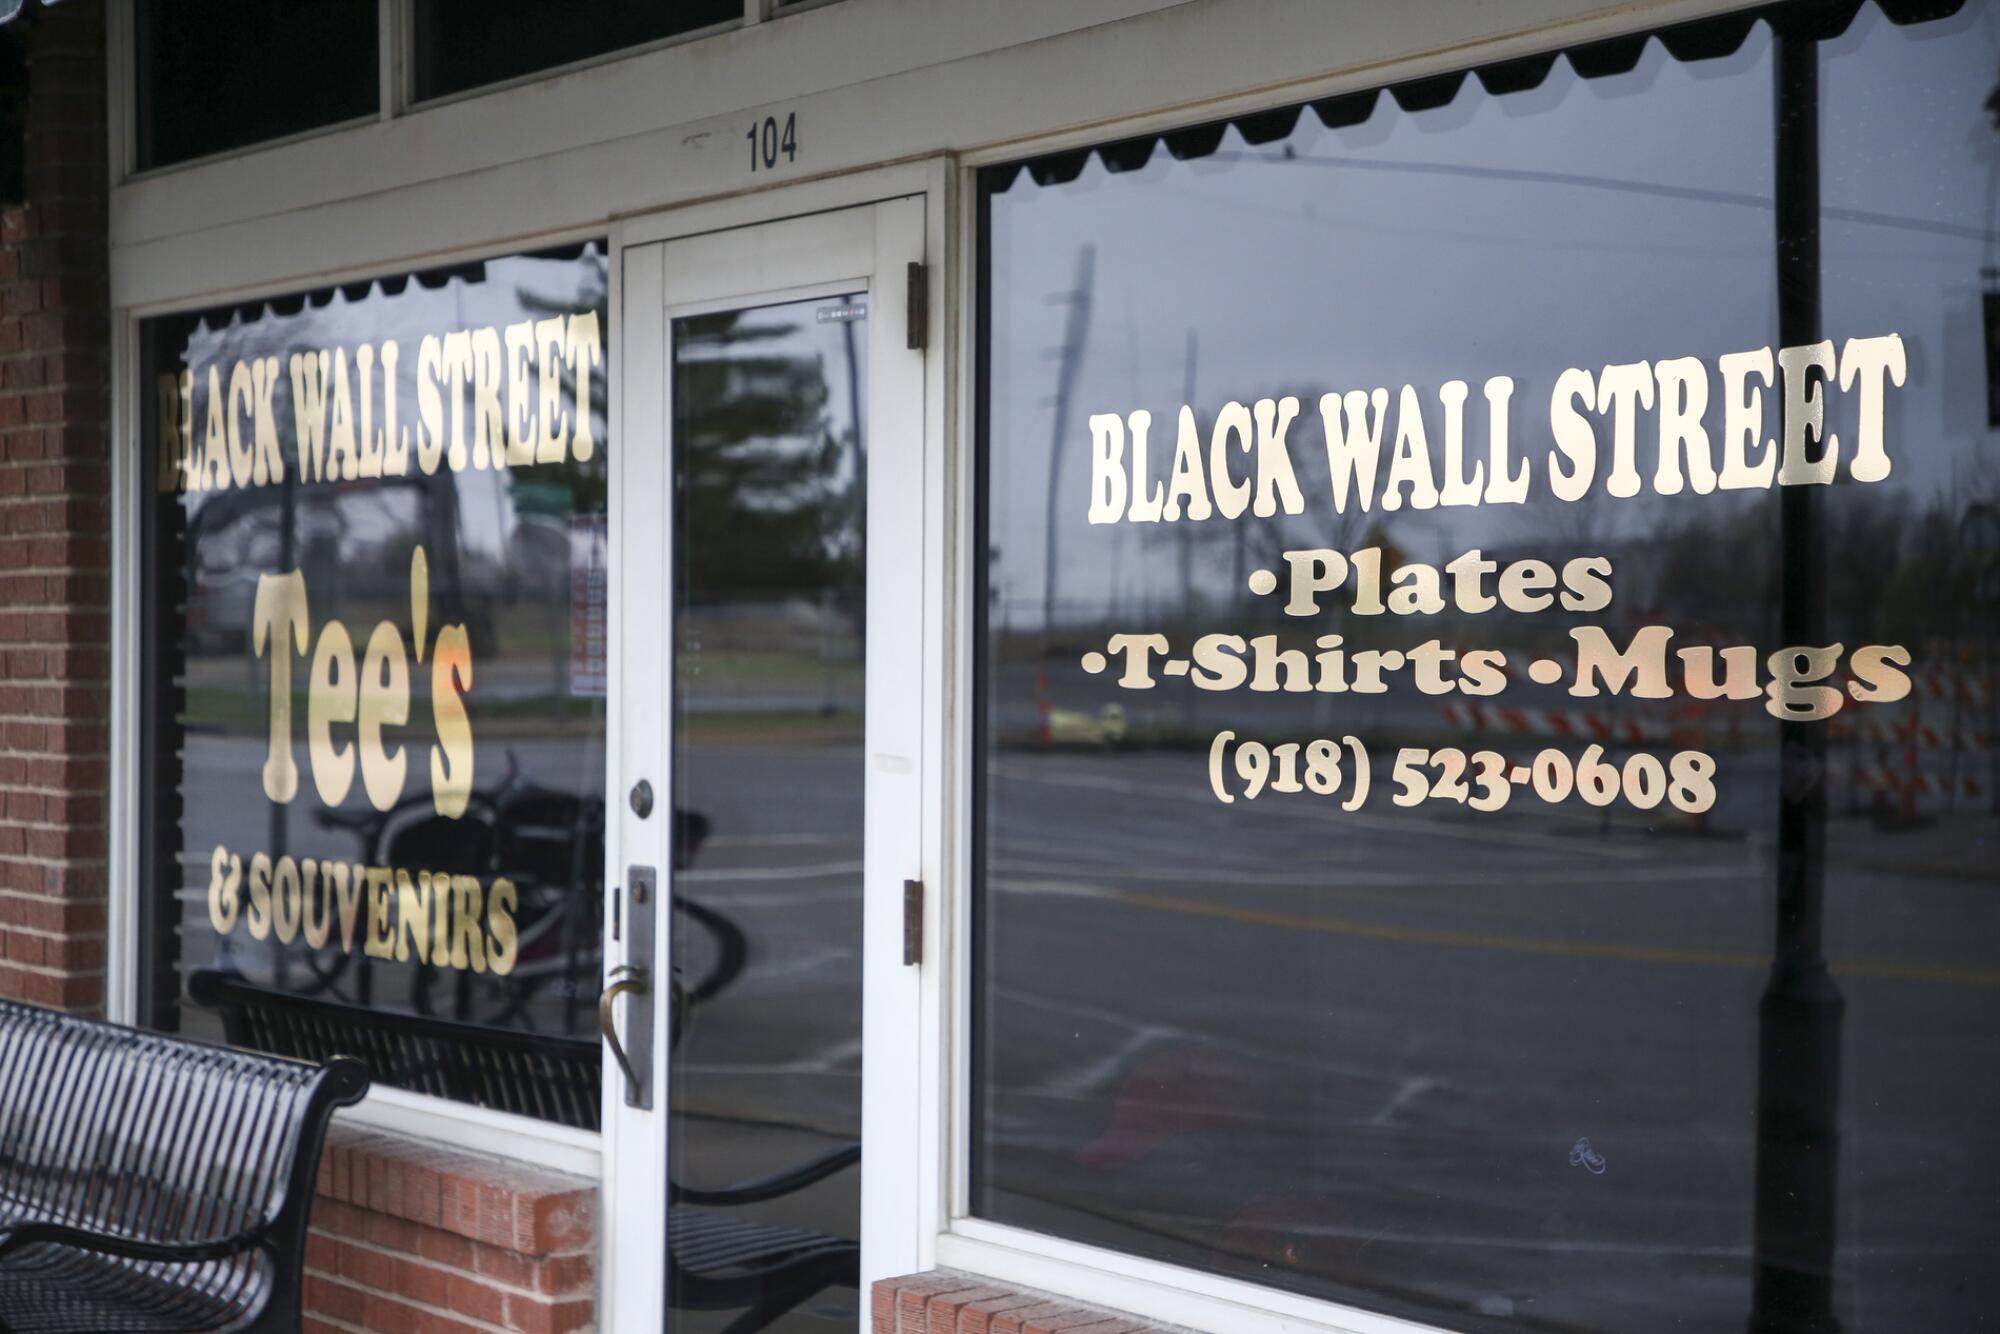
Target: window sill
<point x="1141" y="1290"/>
<point x="479" y="1130"/>
<point x="945" y="1301"/>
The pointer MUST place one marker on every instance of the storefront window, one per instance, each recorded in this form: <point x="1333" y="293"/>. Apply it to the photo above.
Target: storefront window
<point x="220" y="74"/>
<point x="1487" y="685"/>
<point x="462" y="44"/>
<point x="373" y="678"/>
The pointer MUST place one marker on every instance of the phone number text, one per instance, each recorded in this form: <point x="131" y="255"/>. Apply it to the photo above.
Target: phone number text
<point x="1484" y="780"/>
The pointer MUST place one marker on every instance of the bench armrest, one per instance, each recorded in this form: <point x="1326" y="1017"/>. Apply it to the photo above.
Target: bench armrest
<point x="771" y="1187"/>
<point x="76" y="1238"/>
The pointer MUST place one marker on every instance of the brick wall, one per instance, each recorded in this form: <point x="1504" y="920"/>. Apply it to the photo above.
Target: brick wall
<point x="407" y="1238"/>
<point x="944" y="1301"/>
<point x="55" y="523"/>
<point x="413" y="1238"/>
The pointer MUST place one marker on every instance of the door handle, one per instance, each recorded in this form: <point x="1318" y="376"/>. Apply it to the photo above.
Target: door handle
<point x="634" y="1053"/>
<point x="624" y="978"/>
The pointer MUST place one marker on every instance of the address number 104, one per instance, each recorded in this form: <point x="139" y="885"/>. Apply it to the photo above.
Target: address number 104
<point x="769" y="139"/>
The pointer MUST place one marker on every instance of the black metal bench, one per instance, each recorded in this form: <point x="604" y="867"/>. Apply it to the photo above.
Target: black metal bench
<point x="151" y="1184"/>
<point x="529" y="1074"/>
<point x="720" y="1262"/>
<point x="545" y="1075"/>
<point x="716" y="1261"/>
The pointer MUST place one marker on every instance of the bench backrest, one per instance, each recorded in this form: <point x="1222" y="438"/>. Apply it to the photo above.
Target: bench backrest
<point x="530" y="1074"/>
<point x="145" y="1137"/>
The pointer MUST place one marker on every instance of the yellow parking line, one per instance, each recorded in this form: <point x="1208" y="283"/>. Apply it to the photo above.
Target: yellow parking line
<point x="1581" y="949"/>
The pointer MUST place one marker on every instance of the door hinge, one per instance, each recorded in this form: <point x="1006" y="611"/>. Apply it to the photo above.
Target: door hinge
<point x="919" y="312"/>
<point x="913" y="922"/>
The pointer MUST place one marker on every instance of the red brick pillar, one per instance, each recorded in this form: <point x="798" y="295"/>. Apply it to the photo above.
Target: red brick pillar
<point x="55" y="523"/>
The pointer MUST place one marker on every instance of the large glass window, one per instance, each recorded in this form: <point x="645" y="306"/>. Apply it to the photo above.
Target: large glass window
<point x="462" y="44"/>
<point x="373" y="682"/>
<point x="1487" y="685"/>
<point x="219" y="74"/>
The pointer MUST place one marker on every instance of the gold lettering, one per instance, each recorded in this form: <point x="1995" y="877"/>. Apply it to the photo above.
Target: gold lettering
<point x="488" y="421"/>
<point x="413" y="916"/>
<point x="439" y="888"/>
<point x="468" y="945"/>
<point x="1793" y="694"/>
<point x="381" y="942"/>
<point x="1739" y="679"/>
<point x="172" y="474"/>
<point x="309" y="373"/>
<point x="318" y="924"/>
<point x="286" y="909"/>
<point x="1644" y="662"/>
<point x="242" y="396"/>
<point x="520" y="405"/>
<point x="340" y="446"/>
<point x="215" y="456"/>
<point x="332" y="699"/>
<point x="385" y="701"/>
<point x="223" y="889"/>
<point x="1877" y="679"/>
<point x="269" y="467"/>
<point x="553" y="428"/>
<point x="430" y="407"/>
<point x="1410" y="458"/>
<point x="370" y="444"/>
<point x="281" y="602"/>
<point x="184" y="428"/>
<point x="504" y="947"/>
<point x="394" y="446"/>
<point x="458" y="368"/>
<point x="258" y="919"/>
<point x="452" y="756"/>
<point x="348" y="890"/>
<point x="583" y="350"/>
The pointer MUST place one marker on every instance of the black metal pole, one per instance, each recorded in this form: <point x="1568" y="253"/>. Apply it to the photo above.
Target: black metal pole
<point x="1799" y="1018"/>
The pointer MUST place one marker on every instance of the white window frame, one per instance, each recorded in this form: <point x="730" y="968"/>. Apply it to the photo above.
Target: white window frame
<point x="445" y="181"/>
<point x="420" y="1116"/>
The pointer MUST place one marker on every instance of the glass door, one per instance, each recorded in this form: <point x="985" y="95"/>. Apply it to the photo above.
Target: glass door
<point x="769" y="769"/>
<point x="777" y="576"/>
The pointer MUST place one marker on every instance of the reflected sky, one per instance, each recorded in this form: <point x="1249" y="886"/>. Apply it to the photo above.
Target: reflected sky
<point x="1582" y="223"/>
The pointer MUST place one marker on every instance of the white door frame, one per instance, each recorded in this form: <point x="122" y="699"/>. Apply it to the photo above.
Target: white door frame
<point x="862" y="230"/>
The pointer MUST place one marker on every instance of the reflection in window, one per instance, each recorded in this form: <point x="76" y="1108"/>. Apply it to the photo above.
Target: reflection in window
<point x="769" y="622"/>
<point x="373" y="680"/>
<point x="219" y="74"/>
<point x="1530" y="1066"/>
<point x="462" y="44"/>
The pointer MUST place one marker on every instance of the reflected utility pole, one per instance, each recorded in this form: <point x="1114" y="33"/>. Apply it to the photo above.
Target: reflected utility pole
<point x="1182" y="530"/>
<point x="281" y="642"/>
<point x="1799" y="1018"/>
<point x="1184" y="537"/>
<point x="1075" y="330"/>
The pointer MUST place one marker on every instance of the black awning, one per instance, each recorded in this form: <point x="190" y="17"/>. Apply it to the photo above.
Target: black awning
<point x="1696" y="40"/>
